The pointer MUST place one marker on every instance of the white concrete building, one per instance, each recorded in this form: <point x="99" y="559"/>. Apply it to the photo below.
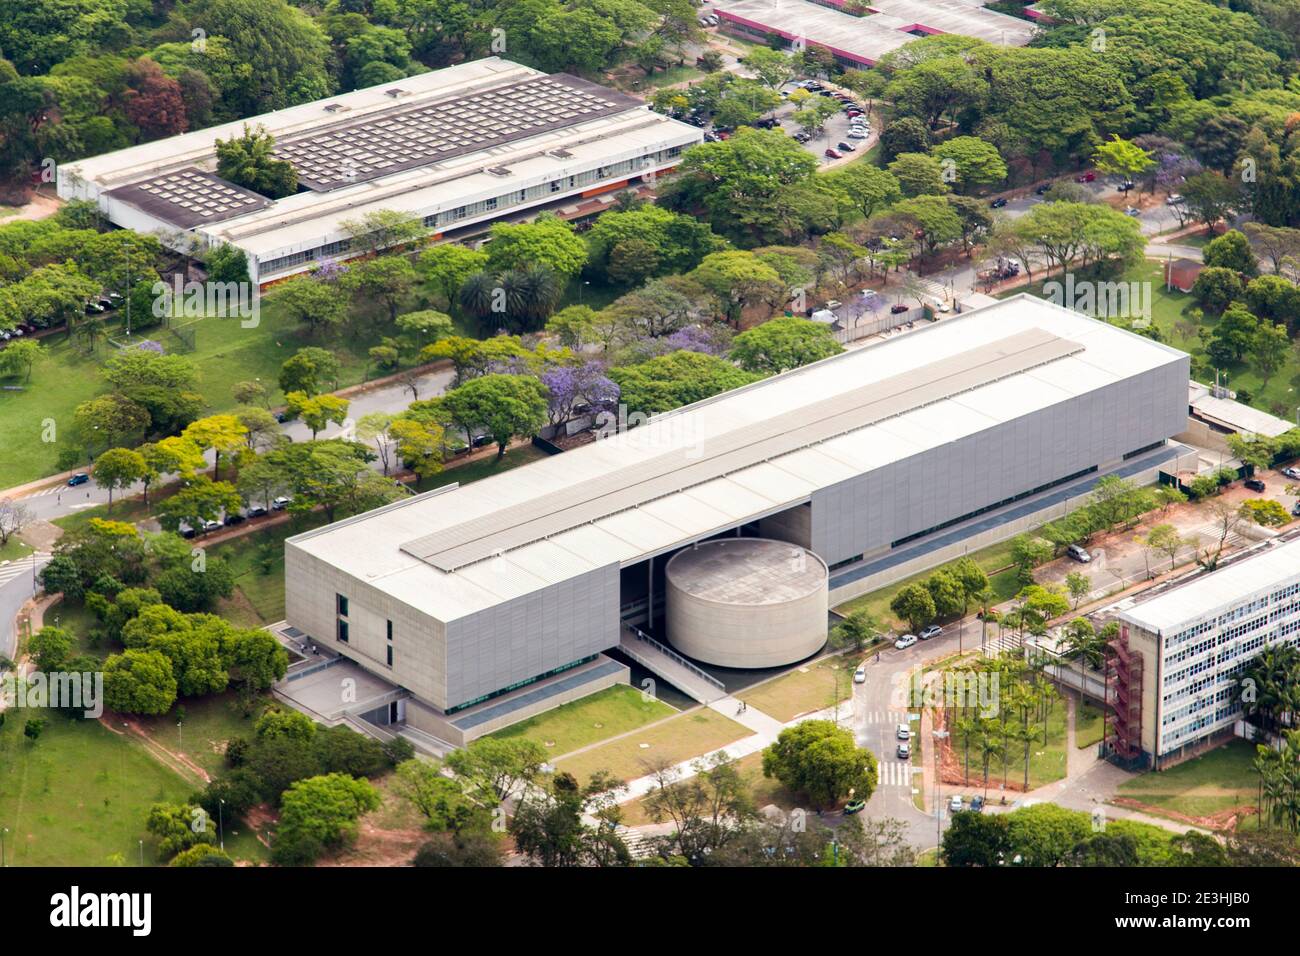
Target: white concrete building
<point x="475" y="598"/>
<point x="458" y="148"/>
<point x="1182" y="649"/>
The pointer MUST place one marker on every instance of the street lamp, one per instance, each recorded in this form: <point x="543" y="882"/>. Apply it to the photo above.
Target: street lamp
<point x="3" y="831"/>
<point x="939" y="737"/>
<point x="221" y="824"/>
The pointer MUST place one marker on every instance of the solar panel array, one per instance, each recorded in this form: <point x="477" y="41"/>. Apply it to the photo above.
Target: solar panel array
<point x="748" y="445"/>
<point x="190" y="196"/>
<point x="428" y="133"/>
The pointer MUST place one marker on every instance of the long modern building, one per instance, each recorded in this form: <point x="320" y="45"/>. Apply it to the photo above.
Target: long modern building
<point x="1171" y="682"/>
<point x="492" y="601"/>
<point x="860" y="39"/>
<point x="458" y="148"/>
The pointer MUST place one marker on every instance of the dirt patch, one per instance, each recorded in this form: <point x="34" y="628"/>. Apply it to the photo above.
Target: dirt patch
<point x="122" y="725"/>
<point x="377" y="846"/>
<point x="1225" y="820"/>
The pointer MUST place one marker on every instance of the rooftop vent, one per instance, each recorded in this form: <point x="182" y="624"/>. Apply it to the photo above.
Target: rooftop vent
<point x="561" y="154"/>
<point x="499" y="171"/>
<point x="395" y="93"/>
<point x="336" y="108"/>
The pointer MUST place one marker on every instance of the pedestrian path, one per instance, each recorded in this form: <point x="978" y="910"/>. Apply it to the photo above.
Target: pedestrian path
<point x="1005" y="642"/>
<point x="885" y="716"/>
<point x="755" y="720"/>
<point x="20" y="566"/>
<point x="895" y="773"/>
<point x="42" y="492"/>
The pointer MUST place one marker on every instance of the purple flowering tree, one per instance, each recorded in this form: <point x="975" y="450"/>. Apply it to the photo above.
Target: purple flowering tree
<point x="573" y="386"/>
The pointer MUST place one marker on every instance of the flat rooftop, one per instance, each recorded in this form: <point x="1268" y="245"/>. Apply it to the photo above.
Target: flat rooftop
<point x="893" y="24"/>
<point x="737" y="453"/>
<point x="747" y="571"/>
<point x="1209" y="593"/>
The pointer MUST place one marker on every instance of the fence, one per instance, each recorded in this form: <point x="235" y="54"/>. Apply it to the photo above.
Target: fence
<point x="868" y="324"/>
<point x="668" y="652"/>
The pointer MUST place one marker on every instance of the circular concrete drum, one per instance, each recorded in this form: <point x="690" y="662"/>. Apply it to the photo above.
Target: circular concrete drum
<point x="747" y="602"/>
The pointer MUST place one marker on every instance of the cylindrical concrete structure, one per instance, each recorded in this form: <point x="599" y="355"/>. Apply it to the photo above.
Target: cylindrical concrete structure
<point x="746" y="602"/>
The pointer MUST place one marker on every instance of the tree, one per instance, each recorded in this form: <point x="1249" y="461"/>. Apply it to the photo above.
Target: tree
<point x="548" y="241"/>
<point x="14" y="517"/>
<point x="1122" y="157"/>
<point x="934" y="217"/>
<point x="918" y="174"/>
<point x="739" y="279"/>
<point x="772" y="67"/>
<point x="707" y="809"/>
<point x="308" y="301"/>
<point x="424" y="327"/>
<point x="976" y="839"/>
<point x="856" y="631"/>
<point x="496" y="768"/>
<point x="21" y="356"/>
<point x="551" y="832"/>
<point x="320" y="813"/>
<point x="309" y="370"/>
<point x="248" y="161"/>
<point x="504" y="406"/>
<point x="779" y="345"/>
<point x="201" y="499"/>
<point x="1079" y="586"/>
<point x="819" y="759"/>
<point x="869" y="187"/>
<point x="419" y="443"/>
<point x="385" y="281"/>
<point x="1269" y="348"/>
<point x="440" y="799"/>
<point x="1231" y="251"/>
<point x="179" y="828"/>
<point x="1215" y="288"/>
<point x="110" y="420"/>
<point x="445" y="267"/>
<point x="676" y="379"/>
<point x="224" y="434"/>
<point x="1266" y="512"/>
<point x="317" y="413"/>
<point x="381" y="229"/>
<point x="914" y="604"/>
<point x="118" y="468"/>
<point x="1210" y="196"/>
<point x="50" y="648"/>
<point x="574" y="326"/>
<point x="974" y="162"/>
<point x="139" y="682"/>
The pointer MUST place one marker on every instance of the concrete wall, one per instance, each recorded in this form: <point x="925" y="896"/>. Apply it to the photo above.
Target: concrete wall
<point x="940" y="484"/>
<point x="531" y="635"/>
<point x="794" y="526"/>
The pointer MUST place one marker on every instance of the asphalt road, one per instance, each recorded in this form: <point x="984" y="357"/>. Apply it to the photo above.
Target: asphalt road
<point x="13" y="593"/>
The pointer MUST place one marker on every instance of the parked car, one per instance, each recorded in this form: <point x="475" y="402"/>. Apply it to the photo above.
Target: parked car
<point x="904" y="732"/>
<point x="1255" y="484"/>
<point x="1086" y="178"/>
<point x="860" y="675"/>
<point x="211" y="524"/>
<point x="234" y="518"/>
<point x="834" y="154"/>
<point x="1174" y="200"/>
<point x="1078" y="554"/>
<point x="897" y="308"/>
<point x="847" y="147"/>
<point x="904" y="751"/>
<point x="1133" y="211"/>
<point x="1295" y="510"/>
<point x="977" y="803"/>
<point x="80" y="478"/>
<point x="1293" y="473"/>
<point x="185" y="531"/>
<point x="955" y="804"/>
<point x="280" y="503"/>
<point x="858" y="134"/>
<point x="1125" y="186"/>
<point x="1043" y="189"/>
<point x="934" y="630"/>
<point x="904" y="642"/>
<point x="256" y="511"/>
<point x="999" y="202"/>
<point x="854" y="806"/>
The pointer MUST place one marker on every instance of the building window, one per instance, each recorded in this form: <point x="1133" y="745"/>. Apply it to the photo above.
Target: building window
<point x="390" y="630"/>
<point x="491" y="203"/>
<point x="555" y="185"/>
<point x="341" y="604"/>
<point x="390" y="655"/>
<point x="343" y="631"/>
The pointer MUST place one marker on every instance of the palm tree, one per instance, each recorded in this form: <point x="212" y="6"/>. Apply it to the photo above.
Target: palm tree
<point x="990" y="745"/>
<point x="478" y="294"/>
<point x="968" y="728"/>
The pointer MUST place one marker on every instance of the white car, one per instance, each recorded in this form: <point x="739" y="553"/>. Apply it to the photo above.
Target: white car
<point x="1293" y="473"/>
<point x="904" y="751"/>
<point x="955" y="804"/>
<point x="1174" y="200"/>
<point x="858" y="134"/>
<point x="934" y="630"/>
<point x="904" y="732"/>
<point x="280" y="503"/>
<point x="904" y="642"/>
<point x="860" y="675"/>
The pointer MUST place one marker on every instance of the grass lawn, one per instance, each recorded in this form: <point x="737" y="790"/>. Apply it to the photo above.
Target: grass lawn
<point x="13" y="549"/>
<point x="1171" y="315"/>
<point x="259" y="588"/>
<point x="764" y="790"/>
<point x="79" y="621"/>
<point x="209" y="723"/>
<point x="1088" y="725"/>
<point x="992" y="558"/>
<point x="813" y="686"/>
<point x="1046" y="762"/>
<point x="483" y="467"/>
<point x="692" y="734"/>
<point x="604" y="714"/>
<point x="79" y="795"/>
<point x="1219" y="780"/>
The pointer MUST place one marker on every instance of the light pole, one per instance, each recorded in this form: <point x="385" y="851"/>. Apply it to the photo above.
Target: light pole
<point x="939" y="737"/>
<point x="142" y="852"/>
<point x="180" y="737"/>
<point x="3" y="831"/>
<point x="221" y="823"/>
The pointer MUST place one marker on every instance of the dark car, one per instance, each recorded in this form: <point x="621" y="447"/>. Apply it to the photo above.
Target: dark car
<point x="977" y="803"/>
<point x="847" y="147"/>
<point x="234" y="518"/>
<point x="854" y="806"/>
<point x="185" y="531"/>
<point x="898" y="308"/>
<point x="80" y="478"/>
<point x="998" y="203"/>
<point x="1043" y="189"/>
<point x="256" y="511"/>
<point x="1254" y="484"/>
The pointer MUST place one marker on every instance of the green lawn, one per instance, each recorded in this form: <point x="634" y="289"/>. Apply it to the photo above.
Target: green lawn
<point x="808" y="688"/>
<point x="1213" y="782"/>
<point x="1088" y="725"/>
<point x="604" y="714"/>
<point x="694" y="734"/>
<point x="765" y="791"/>
<point x="991" y="559"/>
<point x="482" y="468"/>
<point x="209" y="723"/>
<point x="13" y="549"/>
<point x="79" y="795"/>
<point x="75" y="618"/>
<point x="1046" y="762"/>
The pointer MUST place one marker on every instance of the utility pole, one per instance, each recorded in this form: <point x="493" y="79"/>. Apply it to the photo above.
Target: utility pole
<point x="939" y="737"/>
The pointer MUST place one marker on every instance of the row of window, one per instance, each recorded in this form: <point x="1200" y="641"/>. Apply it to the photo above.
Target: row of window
<point x="341" y="626"/>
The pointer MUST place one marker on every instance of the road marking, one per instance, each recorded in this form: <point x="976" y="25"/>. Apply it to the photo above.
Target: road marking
<point x="20" y="566"/>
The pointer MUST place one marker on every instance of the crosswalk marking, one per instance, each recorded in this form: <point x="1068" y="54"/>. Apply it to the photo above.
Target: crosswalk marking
<point x="21" y="565"/>
<point x="41" y="493"/>
<point x="895" y="774"/>
<point x="886" y="716"/>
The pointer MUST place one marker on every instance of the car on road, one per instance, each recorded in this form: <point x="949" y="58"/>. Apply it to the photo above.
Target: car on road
<point x="860" y="675"/>
<point x="234" y="518"/>
<point x="904" y="751"/>
<point x="955" y="804"/>
<point x="1254" y="484"/>
<point x="854" y="806"/>
<point x="858" y="133"/>
<point x="1076" y="553"/>
<point x="977" y="803"/>
<point x="998" y="203"/>
<point x="211" y="524"/>
<point x="256" y="511"/>
<point x="80" y="478"/>
<point x="934" y="630"/>
<point x="904" y="642"/>
<point x="904" y="732"/>
<point x="1295" y="510"/>
<point x="1174" y="200"/>
<point x="1293" y="473"/>
<point x="834" y="154"/>
<point x="1043" y="189"/>
<point x="280" y="503"/>
<point x="847" y="147"/>
<point x="1086" y="178"/>
<point x="1133" y="211"/>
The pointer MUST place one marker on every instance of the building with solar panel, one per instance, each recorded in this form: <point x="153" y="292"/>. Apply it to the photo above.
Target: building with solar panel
<point x="482" y="605"/>
<point x="458" y="148"/>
